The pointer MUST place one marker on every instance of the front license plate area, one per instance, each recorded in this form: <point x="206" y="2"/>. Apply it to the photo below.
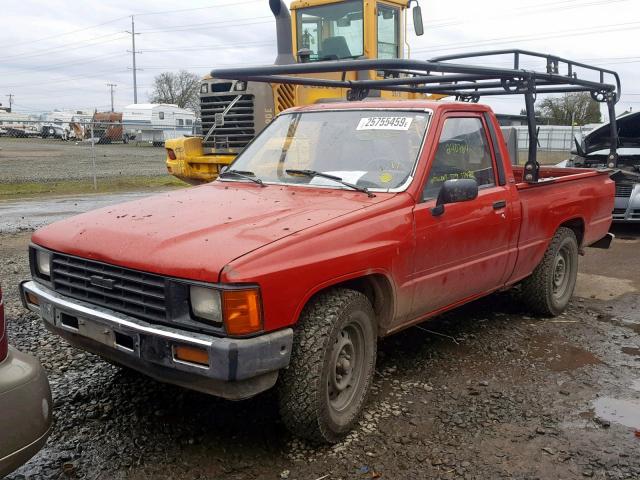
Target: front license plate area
<point x="99" y="332"/>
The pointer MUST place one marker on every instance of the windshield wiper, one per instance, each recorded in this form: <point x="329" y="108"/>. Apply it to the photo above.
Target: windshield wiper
<point x="314" y="173"/>
<point x="243" y="174"/>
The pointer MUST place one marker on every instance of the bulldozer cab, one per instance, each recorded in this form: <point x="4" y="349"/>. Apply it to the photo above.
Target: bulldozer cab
<point x="234" y="112"/>
<point x="337" y="30"/>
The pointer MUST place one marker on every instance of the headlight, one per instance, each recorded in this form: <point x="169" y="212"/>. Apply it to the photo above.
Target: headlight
<point x="240" y="86"/>
<point x="204" y="88"/>
<point x="43" y="262"/>
<point x="205" y="303"/>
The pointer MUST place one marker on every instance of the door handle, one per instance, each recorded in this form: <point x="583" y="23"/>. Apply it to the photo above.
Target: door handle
<point x="499" y="204"/>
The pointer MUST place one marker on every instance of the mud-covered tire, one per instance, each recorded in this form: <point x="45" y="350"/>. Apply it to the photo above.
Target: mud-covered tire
<point x="324" y="388"/>
<point x="549" y="288"/>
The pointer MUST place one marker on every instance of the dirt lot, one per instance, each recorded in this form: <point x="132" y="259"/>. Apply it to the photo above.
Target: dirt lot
<point x="483" y="392"/>
<point x="34" y="159"/>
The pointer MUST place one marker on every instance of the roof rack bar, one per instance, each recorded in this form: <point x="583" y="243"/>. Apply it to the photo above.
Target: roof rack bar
<point x="531" y="167"/>
<point x="464" y="81"/>
<point x="517" y="58"/>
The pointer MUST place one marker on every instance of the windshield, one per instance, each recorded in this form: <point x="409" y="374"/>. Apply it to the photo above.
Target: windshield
<point x="369" y="148"/>
<point x="332" y="32"/>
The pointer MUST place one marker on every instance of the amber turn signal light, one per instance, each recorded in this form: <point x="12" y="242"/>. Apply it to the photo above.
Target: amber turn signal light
<point x="186" y="353"/>
<point x="32" y="299"/>
<point x="241" y="311"/>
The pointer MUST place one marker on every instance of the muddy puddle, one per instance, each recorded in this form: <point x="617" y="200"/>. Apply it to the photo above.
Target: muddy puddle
<point x="560" y="356"/>
<point x="620" y="411"/>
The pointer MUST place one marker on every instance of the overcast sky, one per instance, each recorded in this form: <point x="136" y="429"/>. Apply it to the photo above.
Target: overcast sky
<point x="61" y="54"/>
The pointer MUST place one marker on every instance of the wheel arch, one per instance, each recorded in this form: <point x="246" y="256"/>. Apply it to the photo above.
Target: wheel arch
<point x="576" y="224"/>
<point x="376" y="286"/>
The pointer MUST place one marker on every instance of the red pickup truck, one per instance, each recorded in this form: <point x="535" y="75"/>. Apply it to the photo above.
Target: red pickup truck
<point x="340" y="224"/>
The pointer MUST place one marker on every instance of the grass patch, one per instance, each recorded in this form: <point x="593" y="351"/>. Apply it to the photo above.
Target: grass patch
<point x="85" y="186"/>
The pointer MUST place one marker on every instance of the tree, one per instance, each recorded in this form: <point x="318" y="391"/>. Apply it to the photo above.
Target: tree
<point x="577" y="107"/>
<point x="181" y="88"/>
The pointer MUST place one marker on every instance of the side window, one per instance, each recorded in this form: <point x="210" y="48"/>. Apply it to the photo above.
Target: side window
<point x="161" y="115"/>
<point x="189" y="122"/>
<point x="463" y="152"/>
<point x="388" y="32"/>
<point x="180" y="122"/>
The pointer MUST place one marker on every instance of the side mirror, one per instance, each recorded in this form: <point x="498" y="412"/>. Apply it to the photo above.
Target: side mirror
<point x="417" y="21"/>
<point x="454" y="191"/>
<point x="224" y="168"/>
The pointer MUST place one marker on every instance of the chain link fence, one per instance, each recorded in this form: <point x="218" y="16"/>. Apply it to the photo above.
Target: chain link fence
<point x="106" y="153"/>
<point x="97" y="154"/>
<point x="555" y="142"/>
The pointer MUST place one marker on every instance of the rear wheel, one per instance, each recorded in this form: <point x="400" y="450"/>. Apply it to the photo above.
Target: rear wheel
<point x="323" y="390"/>
<point x="549" y="288"/>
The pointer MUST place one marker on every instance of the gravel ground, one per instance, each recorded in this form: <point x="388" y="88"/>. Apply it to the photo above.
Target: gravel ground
<point x="483" y="392"/>
<point x="38" y="160"/>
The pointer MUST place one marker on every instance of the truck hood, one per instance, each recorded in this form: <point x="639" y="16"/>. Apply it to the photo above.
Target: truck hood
<point x="193" y="233"/>
<point x="628" y="134"/>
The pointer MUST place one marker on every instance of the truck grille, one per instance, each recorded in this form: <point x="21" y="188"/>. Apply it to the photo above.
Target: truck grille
<point x="238" y="129"/>
<point x="134" y="293"/>
<point x="623" y="190"/>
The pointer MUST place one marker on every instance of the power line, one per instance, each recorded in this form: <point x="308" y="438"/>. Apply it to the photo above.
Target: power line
<point x="48" y="51"/>
<point x="58" y="66"/>
<point x="204" y="26"/>
<point x="543" y="36"/>
<point x="12" y="45"/>
<point x="231" y="4"/>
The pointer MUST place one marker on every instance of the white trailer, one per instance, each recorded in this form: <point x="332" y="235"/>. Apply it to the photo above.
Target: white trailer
<point x="156" y="122"/>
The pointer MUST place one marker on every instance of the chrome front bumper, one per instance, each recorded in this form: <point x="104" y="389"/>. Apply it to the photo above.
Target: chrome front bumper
<point x="237" y="368"/>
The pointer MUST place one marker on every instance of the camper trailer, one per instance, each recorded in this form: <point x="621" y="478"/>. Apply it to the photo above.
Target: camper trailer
<point x="155" y="122"/>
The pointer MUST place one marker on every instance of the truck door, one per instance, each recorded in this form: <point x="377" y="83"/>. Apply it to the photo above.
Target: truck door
<point x="463" y="252"/>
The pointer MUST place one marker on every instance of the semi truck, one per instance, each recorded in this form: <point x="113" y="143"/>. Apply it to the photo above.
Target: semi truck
<point x="233" y="112"/>
<point x="340" y="224"/>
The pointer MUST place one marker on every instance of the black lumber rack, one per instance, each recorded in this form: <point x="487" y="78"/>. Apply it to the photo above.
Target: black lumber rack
<point x="465" y="81"/>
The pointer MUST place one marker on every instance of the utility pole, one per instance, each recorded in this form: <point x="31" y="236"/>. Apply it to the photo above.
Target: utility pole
<point x="133" y="53"/>
<point x="111" y="86"/>
<point x="11" y="95"/>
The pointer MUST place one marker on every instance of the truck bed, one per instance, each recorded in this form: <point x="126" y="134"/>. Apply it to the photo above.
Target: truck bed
<point x="580" y="198"/>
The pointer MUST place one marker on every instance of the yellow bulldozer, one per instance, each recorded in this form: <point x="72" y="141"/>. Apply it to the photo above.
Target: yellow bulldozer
<point x="234" y="112"/>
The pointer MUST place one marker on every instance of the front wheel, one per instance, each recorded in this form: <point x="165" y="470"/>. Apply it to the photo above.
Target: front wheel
<point x="323" y="390"/>
<point x="549" y="288"/>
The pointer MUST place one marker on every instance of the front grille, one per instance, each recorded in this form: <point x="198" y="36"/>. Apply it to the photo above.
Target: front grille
<point x="238" y="129"/>
<point x="619" y="211"/>
<point x="138" y="294"/>
<point x="623" y="190"/>
<point x="635" y="214"/>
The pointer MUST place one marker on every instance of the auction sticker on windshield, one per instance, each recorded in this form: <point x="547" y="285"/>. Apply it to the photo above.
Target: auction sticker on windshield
<point x="384" y="123"/>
